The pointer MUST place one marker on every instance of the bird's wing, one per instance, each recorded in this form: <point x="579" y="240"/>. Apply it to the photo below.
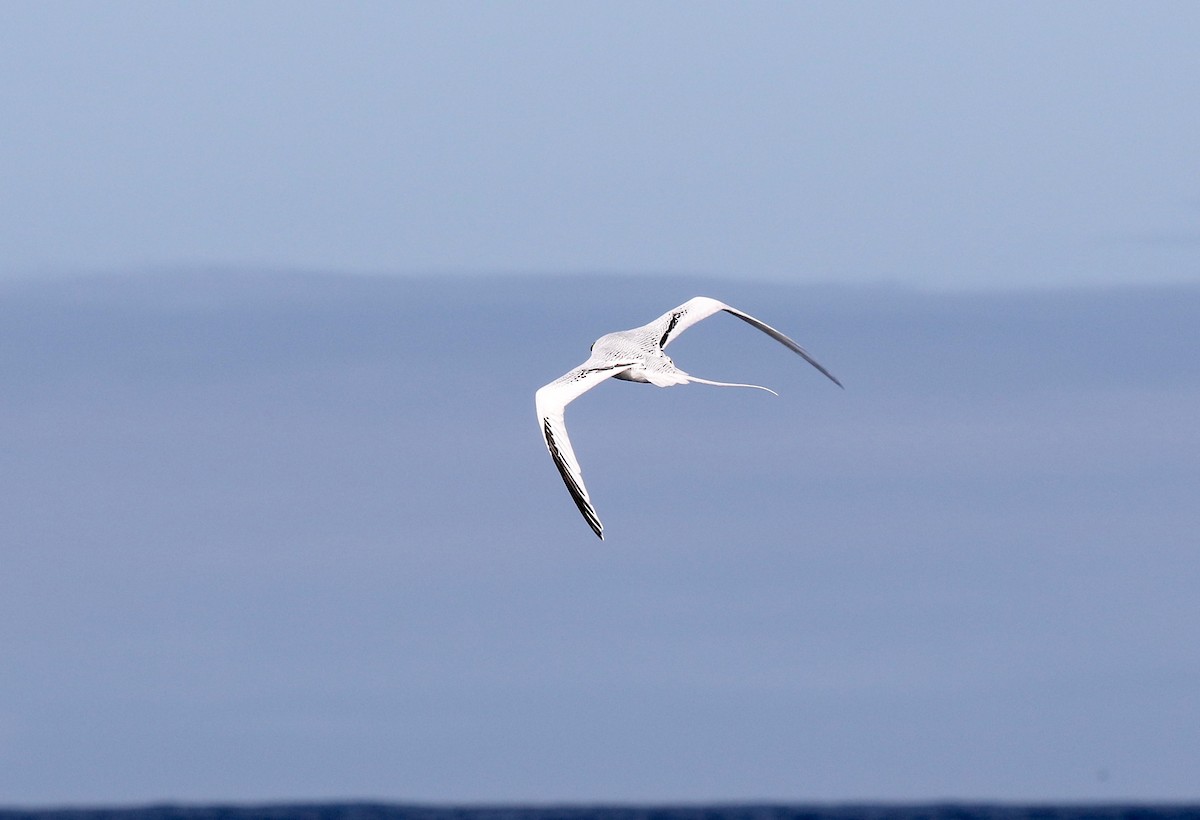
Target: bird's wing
<point x="551" y="401"/>
<point x="668" y="326"/>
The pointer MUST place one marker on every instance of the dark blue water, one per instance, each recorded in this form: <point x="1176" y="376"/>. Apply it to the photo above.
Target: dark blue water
<point x="377" y="811"/>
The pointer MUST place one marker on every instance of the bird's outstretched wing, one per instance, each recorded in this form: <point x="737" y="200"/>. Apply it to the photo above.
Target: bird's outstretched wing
<point x="551" y="402"/>
<point x="668" y="326"/>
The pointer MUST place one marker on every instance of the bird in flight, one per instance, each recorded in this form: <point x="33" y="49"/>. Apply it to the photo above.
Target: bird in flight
<point x="637" y="356"/>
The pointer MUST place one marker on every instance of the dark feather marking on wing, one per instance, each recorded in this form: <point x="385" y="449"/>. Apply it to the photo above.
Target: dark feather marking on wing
<point x="576" y="491"/>
<point x="605" y="367"/>
<point x="670" y="326"/>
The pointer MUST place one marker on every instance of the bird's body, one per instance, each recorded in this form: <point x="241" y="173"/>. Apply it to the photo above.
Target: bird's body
<point x="635" y="355"/>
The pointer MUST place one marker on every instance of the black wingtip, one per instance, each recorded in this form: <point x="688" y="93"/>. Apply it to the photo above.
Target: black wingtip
<point x="577" y="494"/>
<point x="785" y="340"/>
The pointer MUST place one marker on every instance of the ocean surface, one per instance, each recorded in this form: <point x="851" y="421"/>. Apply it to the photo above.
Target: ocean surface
<point x="865" y="811"/>
<point x="290" y="535"/>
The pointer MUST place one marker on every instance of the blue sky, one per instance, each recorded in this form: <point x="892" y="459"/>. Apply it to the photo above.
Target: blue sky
<point x="941" y="144"/>
<point x="278" y="281"/>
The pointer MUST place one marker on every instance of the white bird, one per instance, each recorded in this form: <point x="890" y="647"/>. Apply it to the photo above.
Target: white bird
<point x="637" y="356"/>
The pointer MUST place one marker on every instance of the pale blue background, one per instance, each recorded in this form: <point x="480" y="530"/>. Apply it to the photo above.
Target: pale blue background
<point x="278" y="281"/>
<point x="945" y="144"/>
